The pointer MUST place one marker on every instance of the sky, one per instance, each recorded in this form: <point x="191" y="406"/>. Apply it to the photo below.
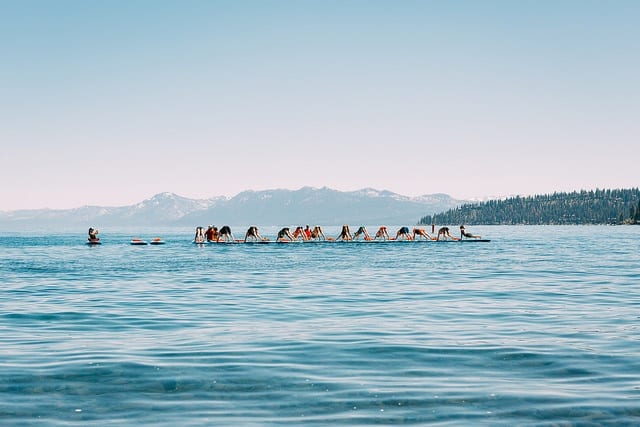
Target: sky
<point x="110" y="102"/>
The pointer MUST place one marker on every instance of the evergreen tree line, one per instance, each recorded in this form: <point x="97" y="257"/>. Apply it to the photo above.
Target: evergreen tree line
<point x="620" y="206"/>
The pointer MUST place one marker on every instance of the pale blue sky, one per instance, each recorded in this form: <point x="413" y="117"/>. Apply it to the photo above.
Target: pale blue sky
<point x="111" y="102"/>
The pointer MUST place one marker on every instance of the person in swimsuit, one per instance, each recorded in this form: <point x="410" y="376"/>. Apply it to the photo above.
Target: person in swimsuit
<point x="226" y="234"/>
<point x="345" y="234"/>
<point x="362" y="231"/>
<point x="444" y="232"/>
<point x="199" y="237"/>
<point x="421" y="232"/>
<point x="299" y="233"/>
<point x="211" y="234"/>
<point x="252" y="233"/>
<point x="93" y="235"/>
<point x="283" y="234"/>
<point x="317" y="233"/>
<point x="403" y="233"/>
<point x="382" y="233"/>
<point x="464" y="233"/>
<point x="307" y="232"/>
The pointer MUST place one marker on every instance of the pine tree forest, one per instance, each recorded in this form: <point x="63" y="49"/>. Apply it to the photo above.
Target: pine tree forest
<point x="583" y="207"/>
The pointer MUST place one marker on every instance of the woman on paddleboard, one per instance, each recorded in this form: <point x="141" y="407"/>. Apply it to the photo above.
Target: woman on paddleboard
<point x="403" y="233"/>
<point x="199" y="237"/>
<point x="253" y="234"/>
<point x="211" y="234"/>
<point x="382" y="233"/>
<point x="362" y="231"/>
<point x="283" y="234"/>
<point x="421" y="232"/>
<point x="444" y="232"/>
<point x="464" y="233"/>
<point x="317" y="233"/>
<point x="345" y="233"/>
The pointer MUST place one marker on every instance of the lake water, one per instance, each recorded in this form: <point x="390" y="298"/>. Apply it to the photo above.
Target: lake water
<point x="538" y="327"/>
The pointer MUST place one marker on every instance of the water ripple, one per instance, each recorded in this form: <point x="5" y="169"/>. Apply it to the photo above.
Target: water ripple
<point x="539" y="327"/>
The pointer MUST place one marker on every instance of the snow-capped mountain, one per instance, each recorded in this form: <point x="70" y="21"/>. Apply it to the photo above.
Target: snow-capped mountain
<point x="307" y="205"/>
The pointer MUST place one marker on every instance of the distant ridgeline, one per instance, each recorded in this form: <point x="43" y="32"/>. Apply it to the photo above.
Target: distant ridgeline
<point x="584" y="207"/>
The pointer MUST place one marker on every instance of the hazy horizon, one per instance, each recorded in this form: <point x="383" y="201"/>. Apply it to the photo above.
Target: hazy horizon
<point x="110" y="103"/>
<point x="472" y="199"/>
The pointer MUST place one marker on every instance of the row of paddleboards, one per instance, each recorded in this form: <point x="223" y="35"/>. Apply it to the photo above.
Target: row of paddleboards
<point x="300" y="242"/>
<point x="135" y="242"/>
<point x="158" y="241"/>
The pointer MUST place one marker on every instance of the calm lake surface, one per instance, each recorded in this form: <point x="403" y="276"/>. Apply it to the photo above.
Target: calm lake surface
<point x="540" y="326"/>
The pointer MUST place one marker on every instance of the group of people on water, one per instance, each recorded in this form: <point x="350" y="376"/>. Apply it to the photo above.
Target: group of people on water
<point x="224" y="234"/>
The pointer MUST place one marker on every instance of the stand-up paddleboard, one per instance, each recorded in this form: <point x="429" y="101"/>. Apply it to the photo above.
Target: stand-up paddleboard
<point x="138" y="242"/>
<point x="465" y="241"/>
<point x="156" y="241"/>
<point x="94" y="242"/>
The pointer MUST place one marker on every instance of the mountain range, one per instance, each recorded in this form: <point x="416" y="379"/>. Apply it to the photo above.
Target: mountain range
<point x="323" y="206"/>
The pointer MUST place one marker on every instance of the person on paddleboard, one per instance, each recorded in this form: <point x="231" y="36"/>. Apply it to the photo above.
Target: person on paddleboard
<point x="283" y="234"/>
<point x="211" y="234"/>
<point x="93" y="234"/>
<point x="299" y="233"/>
<point x="382" y="233"/>
<point x="421" y="232"/>
<point x="317" y="233"/>
<point x="252" y="233"/>
<point x="444" y="232"/>
<point x="362" y="231"/>
<point x="464" y="233"/>
<point x="199" y="237"/>
<point x="226" y="234"/>
<point x="403" y="233"/>
<point x="345" y="233"/>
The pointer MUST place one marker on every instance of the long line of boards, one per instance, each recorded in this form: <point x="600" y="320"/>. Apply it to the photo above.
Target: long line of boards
<point x="300" y="242"/>
<point x="158" y="241"/>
